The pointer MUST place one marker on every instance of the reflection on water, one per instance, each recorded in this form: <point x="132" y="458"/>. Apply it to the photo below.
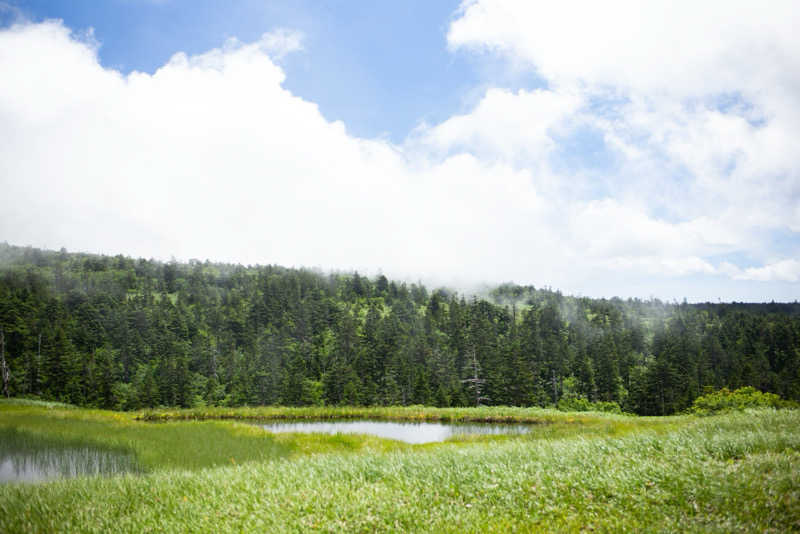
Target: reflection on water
<point x="47" y="464"/>
<point x="405" y="431"/>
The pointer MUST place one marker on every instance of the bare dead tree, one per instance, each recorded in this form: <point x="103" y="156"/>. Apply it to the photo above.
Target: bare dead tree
<point x="3" y="366"/>
<point x="38" y="367"/>
<point x="475" y="382"/>
<point x="555" y="387"/>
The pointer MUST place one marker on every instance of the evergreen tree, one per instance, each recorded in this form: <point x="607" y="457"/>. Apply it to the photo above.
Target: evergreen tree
<point x="123" y="333"/>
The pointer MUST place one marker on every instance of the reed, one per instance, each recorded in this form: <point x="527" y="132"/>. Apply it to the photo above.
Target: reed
<point x="726" y="473"/>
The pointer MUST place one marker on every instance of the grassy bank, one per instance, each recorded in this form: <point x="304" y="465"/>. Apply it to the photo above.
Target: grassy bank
<point x="193" y="439"/>
<point x="485" y="414"/>
<point x="167" y="445"/>
<point x="727" y="473"/>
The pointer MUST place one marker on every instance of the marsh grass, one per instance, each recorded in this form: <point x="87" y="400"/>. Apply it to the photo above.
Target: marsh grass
<point x="27" y="457"/>
<point x="166" y="445"/>
<point x="727" y="473"/>
<point x="484" y="414"/>
<point x="48" y="405"/>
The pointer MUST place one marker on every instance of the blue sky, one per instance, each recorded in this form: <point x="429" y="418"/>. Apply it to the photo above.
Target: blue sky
<point x="380" y="67"/>
<point x="619" y="150"/>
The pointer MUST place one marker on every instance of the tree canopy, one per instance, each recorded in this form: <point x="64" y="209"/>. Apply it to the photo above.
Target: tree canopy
<point x="117" y="332"/>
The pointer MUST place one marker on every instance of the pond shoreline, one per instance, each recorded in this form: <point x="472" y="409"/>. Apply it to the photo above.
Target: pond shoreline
<point x="735" y="471"/>
<point x="481" y="414"/>
<point x="157" y="417"/>
<point x="412" y="432"/>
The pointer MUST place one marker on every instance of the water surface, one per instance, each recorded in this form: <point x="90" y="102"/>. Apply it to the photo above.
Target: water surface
<point x="410" y="432"/>
<point x="38" y="462"/>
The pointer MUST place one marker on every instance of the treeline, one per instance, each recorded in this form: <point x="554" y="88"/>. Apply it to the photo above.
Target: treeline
<point x="116" y="332"/>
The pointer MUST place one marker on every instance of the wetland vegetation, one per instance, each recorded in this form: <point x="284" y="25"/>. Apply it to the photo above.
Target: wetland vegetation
<point x="29" y="458"/>
<point x="735" y="471"/>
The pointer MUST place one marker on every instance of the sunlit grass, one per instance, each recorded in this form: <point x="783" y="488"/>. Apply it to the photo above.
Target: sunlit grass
<point x="171" y="445"/>
<point x="484" y="414"/>
<point x="728" y="473"/>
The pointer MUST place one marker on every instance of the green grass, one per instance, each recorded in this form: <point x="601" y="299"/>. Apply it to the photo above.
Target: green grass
<point x="485" y="414"/>
<point x="726" y="473"/>
<point x="167" y="445"/>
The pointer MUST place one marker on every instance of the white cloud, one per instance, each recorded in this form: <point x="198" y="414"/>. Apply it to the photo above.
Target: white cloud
<point x="660" y="266"/>
<point x="787" y="270"/>
<point x="662" y="67"/>
<point x="699" y="103"/>
<point x="512" y="127"/>
<point x="280" y="42"/>
<point x="672" y="47"/>
<point x="211" y="157"/>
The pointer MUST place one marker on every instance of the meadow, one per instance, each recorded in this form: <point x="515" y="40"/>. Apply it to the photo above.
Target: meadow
<point x="735" y="472"/>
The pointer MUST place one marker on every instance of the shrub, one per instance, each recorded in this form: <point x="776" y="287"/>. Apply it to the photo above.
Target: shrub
<point x="582" y="404"/>
<point x="726" y="400"/>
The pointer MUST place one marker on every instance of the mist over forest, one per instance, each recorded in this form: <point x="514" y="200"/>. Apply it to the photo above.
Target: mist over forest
<point x="124" y="333"/>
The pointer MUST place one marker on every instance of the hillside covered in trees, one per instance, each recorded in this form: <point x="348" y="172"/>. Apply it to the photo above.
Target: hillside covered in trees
<point x="116" y="332"/>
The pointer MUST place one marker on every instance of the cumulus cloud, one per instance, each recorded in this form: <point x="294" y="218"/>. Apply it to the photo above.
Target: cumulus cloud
<point x="698" y="103"/>
<point x="210" y="156"/>
<point x="280" y="42"/>
<point x="708" y="89"/>
<point x="661" y="47"/>
<point x="510" y="126"/>
<point x="783" y="270"/>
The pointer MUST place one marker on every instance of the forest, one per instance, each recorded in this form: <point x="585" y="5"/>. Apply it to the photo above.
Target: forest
<point x="123" y="333"/>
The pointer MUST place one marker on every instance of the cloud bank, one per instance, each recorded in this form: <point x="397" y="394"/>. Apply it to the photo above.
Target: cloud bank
<point x="658" y="159"/>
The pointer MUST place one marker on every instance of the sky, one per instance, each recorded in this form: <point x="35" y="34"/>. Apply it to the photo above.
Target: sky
<point x="603" y="149"/>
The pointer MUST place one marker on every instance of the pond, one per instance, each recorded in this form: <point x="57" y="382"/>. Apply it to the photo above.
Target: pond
<point x="410" y="432"/>
<point x="32" y="460"/>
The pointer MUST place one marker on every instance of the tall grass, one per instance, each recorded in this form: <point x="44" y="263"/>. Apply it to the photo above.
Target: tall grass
<point x="728" y="473"/>
<point x="485" y="414"/>
<point x="168" y="445"/>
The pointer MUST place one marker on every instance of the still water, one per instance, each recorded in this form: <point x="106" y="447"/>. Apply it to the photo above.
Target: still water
<point x="405" y="431"/>
<point x="51" y="463"/>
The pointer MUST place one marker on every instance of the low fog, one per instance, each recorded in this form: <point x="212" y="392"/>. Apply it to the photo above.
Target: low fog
<point x="211" y="157"/>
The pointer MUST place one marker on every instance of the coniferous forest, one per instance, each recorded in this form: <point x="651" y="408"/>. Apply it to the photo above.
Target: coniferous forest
<point x="122" y="333"/>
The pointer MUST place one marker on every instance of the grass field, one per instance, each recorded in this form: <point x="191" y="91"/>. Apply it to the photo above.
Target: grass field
<point x="594" y="472"/>
<point x="485" y="414"/>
